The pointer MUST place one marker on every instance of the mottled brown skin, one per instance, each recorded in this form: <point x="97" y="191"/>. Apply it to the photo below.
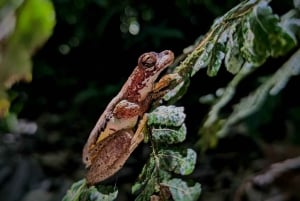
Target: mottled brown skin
<point x="106" y="165"/>
<point x="113" y="138"/>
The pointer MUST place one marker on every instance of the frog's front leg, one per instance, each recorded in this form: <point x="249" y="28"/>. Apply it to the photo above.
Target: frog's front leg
<point x="160" y="88"/>
<point x="165" y="81"/>
<point x="163" y="86"/>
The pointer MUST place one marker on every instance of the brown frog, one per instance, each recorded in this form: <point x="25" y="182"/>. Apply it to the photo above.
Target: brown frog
<point x="117" y="133"/>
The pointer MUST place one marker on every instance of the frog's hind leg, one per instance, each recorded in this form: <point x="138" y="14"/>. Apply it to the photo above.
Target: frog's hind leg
<point x="109" y="156"/>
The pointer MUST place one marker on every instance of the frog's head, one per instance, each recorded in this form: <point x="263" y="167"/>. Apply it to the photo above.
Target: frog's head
<point x="154" y="63"/>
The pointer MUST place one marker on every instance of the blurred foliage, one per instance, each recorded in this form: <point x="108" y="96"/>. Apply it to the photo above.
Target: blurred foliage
<point x="24" y="27"/>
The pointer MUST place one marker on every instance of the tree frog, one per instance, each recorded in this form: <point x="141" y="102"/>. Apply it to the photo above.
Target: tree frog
<point x="117" y="133"/>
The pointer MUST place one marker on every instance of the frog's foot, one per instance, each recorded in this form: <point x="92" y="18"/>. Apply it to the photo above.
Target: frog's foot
<point x="165" y="81"/>
<point x="163" y="85"/>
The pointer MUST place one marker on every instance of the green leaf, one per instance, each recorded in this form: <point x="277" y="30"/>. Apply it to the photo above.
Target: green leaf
<point x="204" y="58"/>
<point x="216" y="59"/>
<point x="263" y="35"/>
<point x="180" y="163"/>
<point x="169" y="135"/>
<point x="181" y="191"/>
<point x="233" y="59"/>
<point x="143" y="179"/>
<point x="167" y="116"/>
<point x="79" y="191"/>
<point x="167" y="124"/>
<point x="76" y="191"/>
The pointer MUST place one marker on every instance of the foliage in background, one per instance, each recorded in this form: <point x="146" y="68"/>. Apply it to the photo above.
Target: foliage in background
<point x="24" y="27"/>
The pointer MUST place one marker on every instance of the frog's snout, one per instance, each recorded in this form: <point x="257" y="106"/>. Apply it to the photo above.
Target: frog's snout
<point x="166" y="57"/>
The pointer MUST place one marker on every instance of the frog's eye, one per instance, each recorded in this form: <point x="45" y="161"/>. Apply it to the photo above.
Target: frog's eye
<point x="147" y="60"/>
